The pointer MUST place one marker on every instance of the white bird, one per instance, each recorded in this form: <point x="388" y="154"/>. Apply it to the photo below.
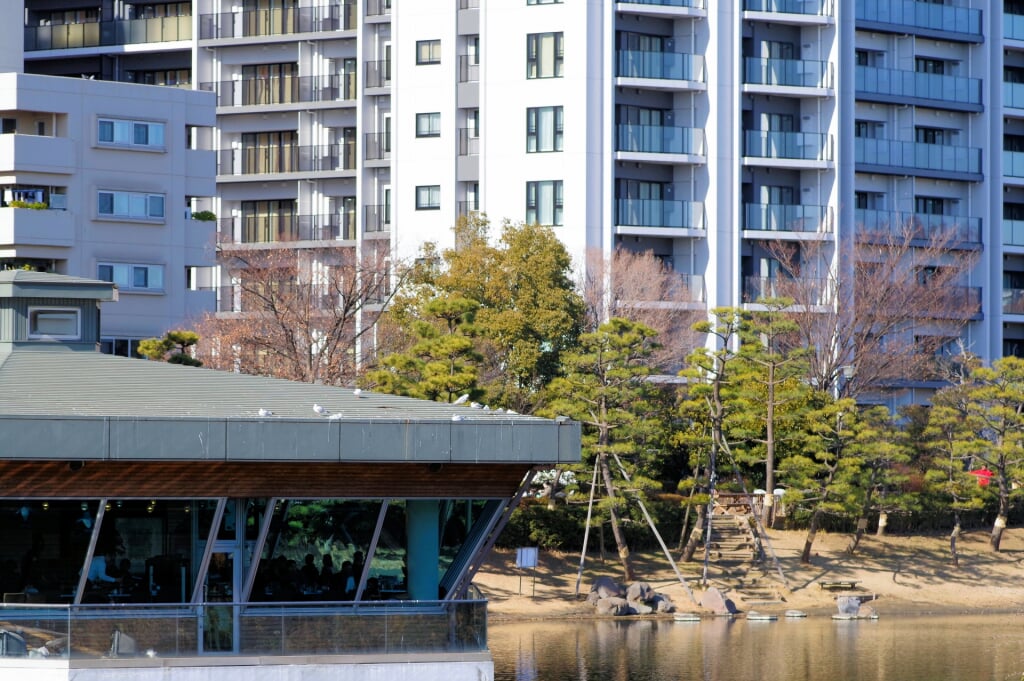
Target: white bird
<point x="487" y="407"/>
<point x="335" y="417"/>
<point x="357" y="393"/>
<point x="476" y="405"/>
<point x="456" y="417"/>
<point x="462" y="400"/>
<point x="509" y="411"/>
<point x="265" y="412"/>
<point x="320" y="410"/>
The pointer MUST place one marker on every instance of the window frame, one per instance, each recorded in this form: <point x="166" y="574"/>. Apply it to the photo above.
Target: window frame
<point x="432" y="127"/>
<point x="131" y="199"/>
<point x="428" y="52"/>
<point x="535" y="60"/>
<point x="32" y="314"/>
<point x="534" y="135"/>
<point x="428" y="197"/>
<point x="533" y="208"/>
<point x="131" y="270"/>
<point x="128" y="130"/>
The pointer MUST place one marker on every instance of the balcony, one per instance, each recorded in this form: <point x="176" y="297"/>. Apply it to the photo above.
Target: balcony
<point x="466" y="208"/>
<point x="804" y="291"/>
<point x="797" y="73"/>
<point x="659" y="143"/>
<point x="895" y="86"/>
<point x="780" y="217"/>
<point x="377" y="219"/>
<point x="926" y="19"/>
<point x="106" y="33"/>
<point x="663" y="8"/>
<point x="799" y="7"/>
<point x="36" y="153"/>
<point x="274" y="22"/>
<point x="278" y="160"/>
<point x="1013" y="232"/>
<point x="941" y="161"/>
<point x="1013" y="164"/>
<point x="378" y="73"/>
<point x="266" y="92"/>
<point x="794" y="146"/>
<point x="654" y="216"/>
<point x="378" y="146"/>
<point x="1013" y="301"/>
<point x="469" y="69"/>
<point x="378" y="8"/>
<point x="878" y="226"/>
<point x="677" y="67"/>
<point x="469" y="142"/>
<point x="1013" y="95"/>
<point x="262" y="229"/>
<point x="1013" y="26"/>
<point x="29" y="227"/>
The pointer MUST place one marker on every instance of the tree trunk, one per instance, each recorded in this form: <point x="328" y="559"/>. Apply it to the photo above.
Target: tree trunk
<point x="862" y="526"/>
<point x="769" y="463"/>
<point x="952" y="541"/>
<point x="554" y="489"/>
<point x="1004" y="510"/>
<point x="997" y="532"/>
<point x="696" y="534"/>
<point x="613" y="516"/>
<point x="883" y="522"/>
<point x="812" y="532"/>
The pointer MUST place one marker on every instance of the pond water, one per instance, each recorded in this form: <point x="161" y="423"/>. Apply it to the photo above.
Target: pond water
<point x="925" y="648"/>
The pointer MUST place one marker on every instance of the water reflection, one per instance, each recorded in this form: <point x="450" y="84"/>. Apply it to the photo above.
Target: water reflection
<point x="958" y="648"/>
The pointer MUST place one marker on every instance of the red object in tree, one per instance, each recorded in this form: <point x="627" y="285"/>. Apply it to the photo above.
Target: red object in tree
<point x="983" y="476"/>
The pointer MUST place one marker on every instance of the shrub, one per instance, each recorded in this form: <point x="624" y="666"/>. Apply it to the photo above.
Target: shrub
<point x="33" y="205"/>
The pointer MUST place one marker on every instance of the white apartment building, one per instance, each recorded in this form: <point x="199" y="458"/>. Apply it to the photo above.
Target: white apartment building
<point x="697" y="130"/>
<point x="97" y="181"/>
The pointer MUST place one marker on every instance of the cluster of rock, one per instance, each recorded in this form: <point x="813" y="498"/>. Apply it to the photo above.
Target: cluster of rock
<point x="612" y="598"/>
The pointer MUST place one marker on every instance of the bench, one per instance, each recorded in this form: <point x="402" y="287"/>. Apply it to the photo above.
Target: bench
<point x="839" y="585"/>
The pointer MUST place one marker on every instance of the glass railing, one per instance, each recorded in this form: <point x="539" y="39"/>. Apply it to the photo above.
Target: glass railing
<point x="908" y="14"/>
<point x="1013" y="232"/>
<point x="279" y="21"/>
<point x="778" y="217"/>
<point x="900" y="83"/>
<point x="286" y="159"/>
<point x="793" y="72"/>
<point x="695" y="4"/>
<point x="659" y="213"/>
<point x="307" y="628"/>
<point x="294" y="90"/>
<point x="377" y="146"/>
<point x="99" y="33"/>
<point x="378" y="73"/>
<point x="660" y="139"/>
<point x="1013" y="163"/>
<point x="917" y="155"/>
<point x="254" y="229"/>
<point x="377" y="218"/>
<point x="1013" y="300"/>
<point x="805" y="290"/>
<point x="806" y="146"/>
<point x="1013" y="26"/>
<point x="663" y="65"/>
<point x="1013" y="95"/>
<point x="886" y="226"/>
<point x="815" y="7"/>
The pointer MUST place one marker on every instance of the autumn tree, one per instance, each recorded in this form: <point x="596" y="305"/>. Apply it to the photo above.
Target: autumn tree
<point x="299" y="314"/>
<point x="604" y="387"/>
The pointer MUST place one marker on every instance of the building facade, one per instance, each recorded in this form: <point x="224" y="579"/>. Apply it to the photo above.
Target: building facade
<point x="707" y="134"/>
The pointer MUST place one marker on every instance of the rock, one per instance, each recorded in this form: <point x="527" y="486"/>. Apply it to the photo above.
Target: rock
<point x="663" y="603"/>
<point x="641" y="608"/>
<point x="613" y="606"/>
<point x="606" y="587"/>
<point x="593" y="598"/>
<point x="714" y="601"/>
<point x="640" y="591"/>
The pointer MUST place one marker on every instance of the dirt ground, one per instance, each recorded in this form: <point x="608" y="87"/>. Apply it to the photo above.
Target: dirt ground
<point x="905" y="574"/>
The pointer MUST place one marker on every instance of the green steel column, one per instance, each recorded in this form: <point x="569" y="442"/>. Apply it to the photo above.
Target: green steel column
<point x="424" y="550"/>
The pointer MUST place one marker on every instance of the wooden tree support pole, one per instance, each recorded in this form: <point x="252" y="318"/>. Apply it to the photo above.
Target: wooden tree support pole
<point x="586" y="530"/>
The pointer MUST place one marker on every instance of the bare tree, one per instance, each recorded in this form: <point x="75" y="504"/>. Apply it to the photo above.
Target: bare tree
<point x="639" y="287"/>
<point x="303" y="315"/>
<point x="886" y="313"/>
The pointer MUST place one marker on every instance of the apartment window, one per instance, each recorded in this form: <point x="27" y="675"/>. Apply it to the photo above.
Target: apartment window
<point x="868" y="129"/>
<point x="122" y="347"/>
<point x="544" y="202"/>
<point x="428" y="52"/>
<point x="428" y="124"/>
<point x="544" y="54"/>
<point x="943" y="136"/>
<point x="132" y="277"/>
<point x="130" y="205"/>
<point x="543" y="129"/>
<point x="54" y="323"/>
<point x="428" y="197"/>
<point x="130" y="133"/>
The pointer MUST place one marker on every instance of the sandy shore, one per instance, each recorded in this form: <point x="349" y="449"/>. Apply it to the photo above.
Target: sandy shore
<point x="905" y="574"/>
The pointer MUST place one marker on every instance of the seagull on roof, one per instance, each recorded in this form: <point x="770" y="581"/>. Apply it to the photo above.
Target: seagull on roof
<point x="265" y="412"/>
<point x="476" y="405"/>
<point x="456" y="417"/>
<point x="462" y="399"/>
<point x="357" y="393"/>
<point x="320" y="410"/>
<point x="335" y="417"/>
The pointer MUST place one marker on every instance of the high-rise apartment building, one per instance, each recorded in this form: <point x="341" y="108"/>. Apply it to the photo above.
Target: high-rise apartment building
<point x="702" y="132"/>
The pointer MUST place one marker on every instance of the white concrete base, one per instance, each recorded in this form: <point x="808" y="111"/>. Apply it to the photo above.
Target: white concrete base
<point x="469" y="667"/>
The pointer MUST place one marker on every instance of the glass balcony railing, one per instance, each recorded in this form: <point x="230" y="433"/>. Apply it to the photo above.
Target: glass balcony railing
<point x="792" y="72"/>
<point x="256" y="229"/>
<point x="662" y="65"/>
<point x="102" y="33"/>
<point x="906" y="15"/>
<point x="378" y="146"/>
<point x="807" y="290"/>
<point x="378" y="73"/>
<point x="659" y="139"/>
<point x="1013" y="163"/>
<point x="806" y="146"/>
<point x="280" y="21"/>
<point x="659" y="213"/>
<point x="916" y="155"/>
<point x="812" y="7"/>
<point x="295" y="90"/>
<point x="1013" y="300"/>
<point x="1013" y="26"/>
<point x="881" y="225"/>
<point x="1013" y="232"/>
<point x="779" y="217"/>
<point x="1013" y="95"/>
<point x="695" y="4"/>
<point x="469" y="142"/>
<point x="377" y="218"/>
<point x="286" y="159"/>
<point x="933" y="86"/>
